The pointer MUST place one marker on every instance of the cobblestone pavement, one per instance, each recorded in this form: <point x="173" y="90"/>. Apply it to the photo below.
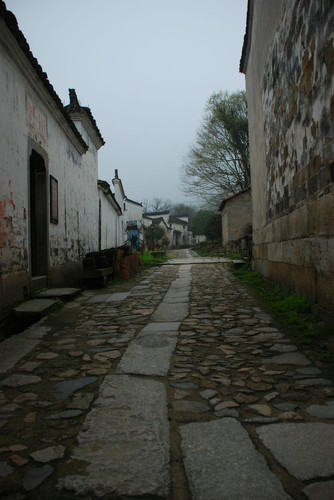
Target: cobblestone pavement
<point x="176" y="386"/>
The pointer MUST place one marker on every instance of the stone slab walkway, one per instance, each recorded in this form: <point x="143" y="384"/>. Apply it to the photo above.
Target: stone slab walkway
<point x="176" y="385"/>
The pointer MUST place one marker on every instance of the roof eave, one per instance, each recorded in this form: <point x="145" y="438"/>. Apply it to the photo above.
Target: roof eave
<point x="12" y="25"/>
<point x="247" y="38"/>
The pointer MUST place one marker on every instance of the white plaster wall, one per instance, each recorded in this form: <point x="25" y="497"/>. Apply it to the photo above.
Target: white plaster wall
<point x="133" y="211"/>
<point x="119" y="194"/>
<point x="14" y="165"/>
<point x="110" y="224"/>
<point x="77" y="230"/>
<point x="184" y="239"/>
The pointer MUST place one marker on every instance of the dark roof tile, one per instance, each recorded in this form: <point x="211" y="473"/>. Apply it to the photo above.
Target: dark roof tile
<point x="11" y="22"/>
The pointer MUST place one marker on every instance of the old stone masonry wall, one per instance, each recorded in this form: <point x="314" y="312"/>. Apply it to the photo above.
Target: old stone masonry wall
<point x="298" y="102"/>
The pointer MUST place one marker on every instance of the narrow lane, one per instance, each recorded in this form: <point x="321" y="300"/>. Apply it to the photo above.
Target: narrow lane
<point x="177" y="386"/>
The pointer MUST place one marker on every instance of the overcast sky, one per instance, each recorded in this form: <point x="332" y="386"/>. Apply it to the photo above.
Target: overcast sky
<point x="146" y="69"/>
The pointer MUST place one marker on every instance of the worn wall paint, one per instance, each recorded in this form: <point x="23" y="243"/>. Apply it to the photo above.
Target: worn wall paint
<point x="30" y="120"/>
<point x="290" y="89"/>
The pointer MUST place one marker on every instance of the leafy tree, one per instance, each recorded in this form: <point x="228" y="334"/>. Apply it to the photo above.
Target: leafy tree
<point x="213" y="230"/>
<point x="153" y="234"/>
<point x="200" y="221"/>
<point x="217" y="165"/>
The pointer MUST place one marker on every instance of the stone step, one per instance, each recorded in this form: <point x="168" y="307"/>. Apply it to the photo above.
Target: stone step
<point x="33" y="309"/>
<point x="238" y="263"/>
<point x="60" y="293"/>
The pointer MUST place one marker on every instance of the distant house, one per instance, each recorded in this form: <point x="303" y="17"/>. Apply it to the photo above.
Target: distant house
<point x="180" y="235"/>
<point x="150" y="225"/>
<point x="132" y="218"/>
<point x="176" y="227"/>
<point x="236" y="212"/>
<point x="288" y="58"/>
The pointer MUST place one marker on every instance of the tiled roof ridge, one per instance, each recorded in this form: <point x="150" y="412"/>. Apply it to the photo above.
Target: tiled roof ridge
<point x="105" y="185"/>
<point x="174" y="218"/>
<point x="233" y="195"/>
<point x="11" y="22"/>
<point x="75" y="106"/>
<point x="133" y="201"/>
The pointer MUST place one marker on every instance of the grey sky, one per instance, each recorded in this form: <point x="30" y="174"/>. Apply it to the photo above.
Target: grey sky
<point x="145" y="68"/>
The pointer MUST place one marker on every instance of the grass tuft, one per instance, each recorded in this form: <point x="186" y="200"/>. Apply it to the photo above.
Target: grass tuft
<point x="294" y="313"/>
<point x="148" y="260"/>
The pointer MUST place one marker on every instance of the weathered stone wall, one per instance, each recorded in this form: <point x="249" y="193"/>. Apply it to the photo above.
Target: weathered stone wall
<point x="298" y="105"/>
<point x="242" y="246"/>
<point x="290" y="88"/>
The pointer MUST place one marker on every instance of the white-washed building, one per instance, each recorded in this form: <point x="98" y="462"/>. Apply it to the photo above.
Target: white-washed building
<point x="132" y="217"/>
<point x="49" y="199"/>
<point x="110" y="218"/>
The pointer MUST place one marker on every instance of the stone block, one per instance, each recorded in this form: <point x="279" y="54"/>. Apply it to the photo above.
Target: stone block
<point x="321" y="216"/>
<point x="124" y="441"/>
<point x="34" y="308"/>
<point x="296" y="447"/>
<point x="298" y="223"/>
<point x="222" y="462"/>
<point x="260" y="252"/>
<point x="280" y="229"/>
<point x="299" y="279"/>
<point x="325" y="291"/>
<point x="262" y="266"/>
<point x="276" y="251"/>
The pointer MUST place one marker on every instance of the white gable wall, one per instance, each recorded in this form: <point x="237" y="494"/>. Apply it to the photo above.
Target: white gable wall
<point x="110" y="221"/>
<point x="30" y="120"/>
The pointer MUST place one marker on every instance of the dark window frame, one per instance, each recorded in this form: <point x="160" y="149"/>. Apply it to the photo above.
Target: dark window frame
<point x="54" y="202"/>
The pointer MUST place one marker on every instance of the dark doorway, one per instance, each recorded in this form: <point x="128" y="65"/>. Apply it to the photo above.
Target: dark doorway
<point x="38" y="216"/>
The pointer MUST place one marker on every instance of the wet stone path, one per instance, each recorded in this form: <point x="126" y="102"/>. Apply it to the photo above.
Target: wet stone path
<point x="175" y="386"/>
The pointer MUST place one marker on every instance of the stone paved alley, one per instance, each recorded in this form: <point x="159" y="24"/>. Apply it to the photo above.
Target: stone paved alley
<point x="176" y="385"/>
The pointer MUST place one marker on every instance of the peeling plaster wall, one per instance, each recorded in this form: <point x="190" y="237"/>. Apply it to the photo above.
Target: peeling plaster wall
<point x="290" y="92"/>
<point x="30" y="120"/>
<point x="14" y="206"/>
<point x="77" y="230"/>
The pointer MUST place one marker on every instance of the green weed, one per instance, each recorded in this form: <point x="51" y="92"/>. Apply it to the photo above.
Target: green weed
<point x="252" y="278"/>
<point x="209" y="248"/>
<point x="294" y="313"/>
<point x="147" y="259"/>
